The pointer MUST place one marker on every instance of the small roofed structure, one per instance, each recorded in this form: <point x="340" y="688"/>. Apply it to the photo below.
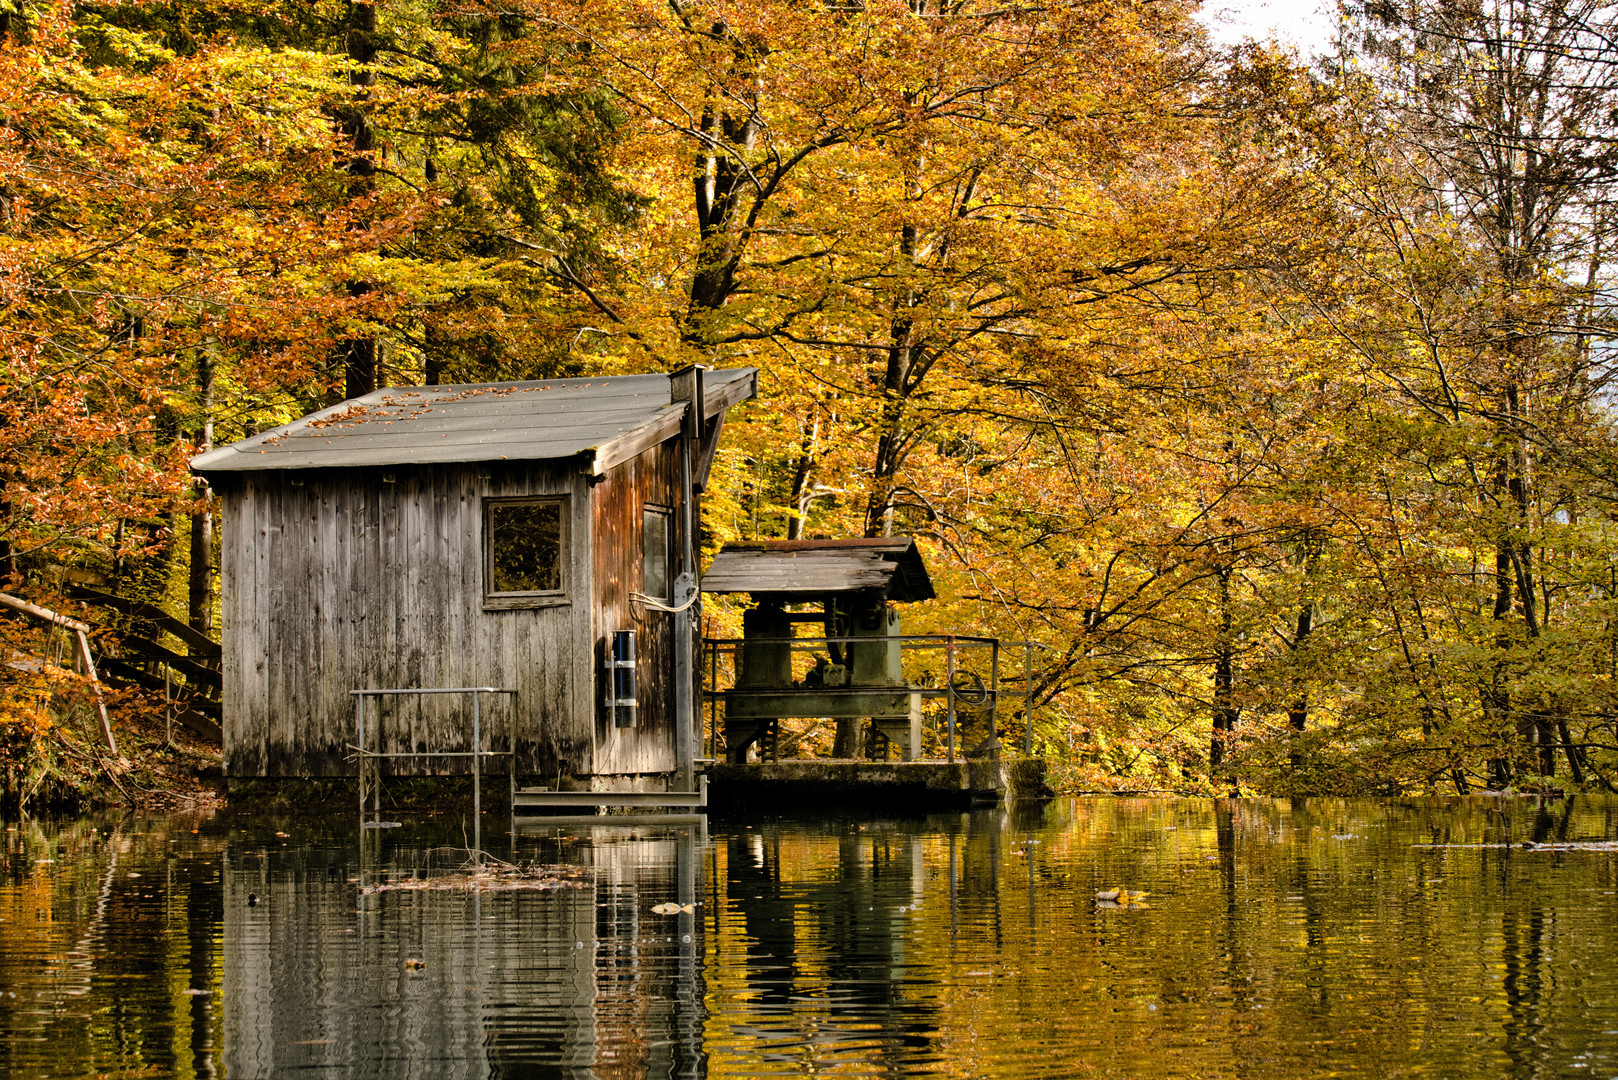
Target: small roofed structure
<point x="854" y="584"/>
<point x="533" y="537"/>
<point x="796" y="571"/>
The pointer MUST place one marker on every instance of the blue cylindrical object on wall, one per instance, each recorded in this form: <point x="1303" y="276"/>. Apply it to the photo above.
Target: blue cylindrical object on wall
<point x="623" y="679"/>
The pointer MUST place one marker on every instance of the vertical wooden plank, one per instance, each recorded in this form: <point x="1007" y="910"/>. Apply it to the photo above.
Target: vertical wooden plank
<point x="580" y="695"/>
<point x="463" y="577"/>
<point x="618" y="520"/>
<point x="326" y="569"/>
<point x="418" y="728"/>
<point x="331" y="711"/>
<point x="338" y="590"/>
<point x="236" y="633"/>
<point x="278" y="721"/>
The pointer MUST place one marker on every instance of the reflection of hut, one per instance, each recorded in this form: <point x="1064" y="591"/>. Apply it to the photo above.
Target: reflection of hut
<point x="494" y="982"/>
<point x="496" y="535"/>
<point x="850" y="587"/>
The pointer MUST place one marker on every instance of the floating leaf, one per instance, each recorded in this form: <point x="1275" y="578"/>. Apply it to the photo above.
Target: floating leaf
<point x="674" y="909"/>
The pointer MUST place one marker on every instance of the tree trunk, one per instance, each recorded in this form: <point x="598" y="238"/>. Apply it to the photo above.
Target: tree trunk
<point x="360" y="354"/>
<point x="200" y="593"/>
<point x="898" y="382"/>
<point x="803" y="471"/>
<point x="1224" y="711"/>
<point x="1298" y="712"/>
<point x="8" y="555"/>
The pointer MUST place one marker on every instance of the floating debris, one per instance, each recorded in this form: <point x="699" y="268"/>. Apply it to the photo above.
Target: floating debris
<point x="1121" y="897"/>
<point x="490" y="877"/>
<point x="674" y="909"/>
<point x="415" y="964"/>
<point x="379" y="824"/>
<point x="196" y="993"/>
<point x="1530" y="845"/>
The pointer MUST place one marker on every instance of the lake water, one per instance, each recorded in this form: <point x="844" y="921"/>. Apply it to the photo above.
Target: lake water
<point x="1279" y="939"/>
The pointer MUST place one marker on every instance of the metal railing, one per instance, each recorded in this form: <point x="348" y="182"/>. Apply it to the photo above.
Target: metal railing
<point x="983" y="693"/>
<point x="364" y="754"/>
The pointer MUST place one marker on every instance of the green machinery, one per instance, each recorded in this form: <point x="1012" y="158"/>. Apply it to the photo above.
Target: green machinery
<point x="849" y="587"/>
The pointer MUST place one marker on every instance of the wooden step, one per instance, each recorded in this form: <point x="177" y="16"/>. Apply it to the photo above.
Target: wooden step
<point x="541" y="799"/>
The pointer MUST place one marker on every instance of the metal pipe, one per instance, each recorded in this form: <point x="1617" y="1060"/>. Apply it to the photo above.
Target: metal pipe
<point x="359" y="717"/>
<point x="374" y="692"/>
<point x="438" y="753"/>
<point x="376" y="768"/>
<point x="476" y="753"/>
<point x="936" y="641"/>
<point x="477" y="778"/>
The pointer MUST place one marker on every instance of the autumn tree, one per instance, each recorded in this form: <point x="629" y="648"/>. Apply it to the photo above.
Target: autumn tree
<point x="1488" y="204"/>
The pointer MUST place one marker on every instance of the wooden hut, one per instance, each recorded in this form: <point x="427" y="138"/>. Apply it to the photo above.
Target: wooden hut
<point x="494" y="535"/>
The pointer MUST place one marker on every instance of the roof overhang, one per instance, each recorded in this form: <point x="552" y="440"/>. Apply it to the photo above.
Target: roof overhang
<point x="797" y="571"/>
<point x="600" y="422"/>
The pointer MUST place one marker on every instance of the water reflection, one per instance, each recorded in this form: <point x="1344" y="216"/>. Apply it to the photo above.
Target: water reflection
<point x="322" y="974"/>
<point x="1283" y="938"/>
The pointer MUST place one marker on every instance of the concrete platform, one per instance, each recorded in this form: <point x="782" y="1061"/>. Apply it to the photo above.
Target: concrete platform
<point x="922" y="785"/>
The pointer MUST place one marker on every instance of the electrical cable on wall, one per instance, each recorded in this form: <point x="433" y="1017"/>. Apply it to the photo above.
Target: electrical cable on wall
<point x="658" y="605"/>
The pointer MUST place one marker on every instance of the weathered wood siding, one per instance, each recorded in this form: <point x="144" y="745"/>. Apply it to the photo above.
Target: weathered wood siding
<point x="337" y="581"/>
<point x="619" y="500"/>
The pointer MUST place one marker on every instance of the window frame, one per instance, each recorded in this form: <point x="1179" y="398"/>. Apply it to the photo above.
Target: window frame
<point x="509" y="601"/>
<point x="648" y="510"/>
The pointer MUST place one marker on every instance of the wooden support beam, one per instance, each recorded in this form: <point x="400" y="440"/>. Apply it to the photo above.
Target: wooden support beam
<point x="34" y="611"/>
<point x="710" y="447"/>
<point x="95" y="682"/>
<point x="664" y="426"/>
<point x="201" y="645"/>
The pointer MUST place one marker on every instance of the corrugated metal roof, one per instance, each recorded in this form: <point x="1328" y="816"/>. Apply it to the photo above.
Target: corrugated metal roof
<point x="516" y="421"/>
<point x="804" y="569"/>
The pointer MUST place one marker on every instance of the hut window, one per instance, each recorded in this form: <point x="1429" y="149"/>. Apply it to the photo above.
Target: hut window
<point x="524" y="546"/>
<point x="654" y="549"/>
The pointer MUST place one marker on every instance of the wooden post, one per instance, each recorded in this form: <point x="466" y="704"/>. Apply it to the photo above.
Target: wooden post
<point x="95" y="683"/>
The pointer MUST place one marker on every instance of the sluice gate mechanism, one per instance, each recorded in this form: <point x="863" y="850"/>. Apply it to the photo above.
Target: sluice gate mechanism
<point x="855" y="669"/>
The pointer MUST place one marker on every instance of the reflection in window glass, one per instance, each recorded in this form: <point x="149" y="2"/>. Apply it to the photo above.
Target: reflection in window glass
<point x="525" y="547"/>
<point x="655" y="553"/>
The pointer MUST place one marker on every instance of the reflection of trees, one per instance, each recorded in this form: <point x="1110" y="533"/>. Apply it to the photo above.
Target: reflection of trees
<point x="1297" y="937"/>
<point x="103" y="925"/>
